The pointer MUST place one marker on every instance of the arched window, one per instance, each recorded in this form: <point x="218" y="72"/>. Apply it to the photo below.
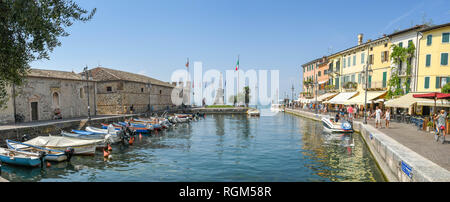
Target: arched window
<point x="55" y="100"/>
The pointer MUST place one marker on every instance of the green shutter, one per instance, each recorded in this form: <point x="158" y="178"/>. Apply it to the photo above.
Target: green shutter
<point x="437" y="82"/>
<point x="337" y="83"/>
<point x="400" y="44"/>
<point x="444" y="58"/>
<point x="409" y="43"/>
<point x="384" y="79"/>
<point x="428" y="62"/>
<point x="427" y="82"/>
<point x="362" y="58"/>
<point x="370" y="82"/>
<point x="429" y="39"/>
<point x="445" y="37"/>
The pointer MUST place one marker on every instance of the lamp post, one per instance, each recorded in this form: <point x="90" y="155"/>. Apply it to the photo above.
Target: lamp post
<point x="366" y="75"/>
<point x="87" y="85"/>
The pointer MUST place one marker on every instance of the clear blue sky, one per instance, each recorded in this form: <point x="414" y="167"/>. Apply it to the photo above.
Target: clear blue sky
<point x="155" y="37"/>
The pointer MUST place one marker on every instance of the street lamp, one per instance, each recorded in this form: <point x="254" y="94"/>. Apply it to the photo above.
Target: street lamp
<point x="366" y="75"/>
<point x="87" y="85"/>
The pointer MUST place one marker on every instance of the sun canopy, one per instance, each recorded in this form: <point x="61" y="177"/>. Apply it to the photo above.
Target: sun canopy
<point x="407" y="100"/>
<point x="371" y="96"/>
<point x="341" y="98"/>
<point x="326" y="96"/>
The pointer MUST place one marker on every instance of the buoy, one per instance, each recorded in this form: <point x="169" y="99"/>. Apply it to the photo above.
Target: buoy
<point x="49" y="164"/>
<point x="131" y="141"/>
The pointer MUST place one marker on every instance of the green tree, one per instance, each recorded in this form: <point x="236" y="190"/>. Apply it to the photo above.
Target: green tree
<point x="29" y="30"/>
<point x="446" y="88"/>
<point x="398" y="56"/>
<point x="247" y="95"/>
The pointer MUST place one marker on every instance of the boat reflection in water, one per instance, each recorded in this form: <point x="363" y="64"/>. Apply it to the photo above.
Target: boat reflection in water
<point x="338" y="156"/>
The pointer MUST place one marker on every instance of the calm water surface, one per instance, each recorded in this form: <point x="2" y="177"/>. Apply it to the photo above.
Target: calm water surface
<point x="223" y="148"/>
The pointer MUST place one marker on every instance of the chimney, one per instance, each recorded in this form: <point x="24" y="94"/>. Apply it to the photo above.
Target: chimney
<point x="360" y="39"/>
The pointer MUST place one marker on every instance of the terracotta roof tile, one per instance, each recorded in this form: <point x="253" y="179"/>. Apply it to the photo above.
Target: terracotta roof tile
<point x="106" y="74"/>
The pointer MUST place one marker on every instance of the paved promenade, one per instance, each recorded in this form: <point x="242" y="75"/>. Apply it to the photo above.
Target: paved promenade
<point x="419" y="141"/>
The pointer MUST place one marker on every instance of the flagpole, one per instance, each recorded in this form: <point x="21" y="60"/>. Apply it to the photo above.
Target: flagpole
<point x="237" y="96"/>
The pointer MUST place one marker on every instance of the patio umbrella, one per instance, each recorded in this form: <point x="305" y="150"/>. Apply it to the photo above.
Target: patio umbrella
<point x="434" y="96"/>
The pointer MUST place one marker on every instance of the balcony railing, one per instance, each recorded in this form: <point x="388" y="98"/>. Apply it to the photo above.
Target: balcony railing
<point x="376" y="85"/>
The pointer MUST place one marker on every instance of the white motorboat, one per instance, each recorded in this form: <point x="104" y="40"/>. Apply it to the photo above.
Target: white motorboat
<point x="329" y="126"/>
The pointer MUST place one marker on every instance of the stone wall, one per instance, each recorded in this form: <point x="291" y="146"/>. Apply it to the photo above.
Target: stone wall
<point x="56" y="128"/>
<point x="70" y="96"/>
<point x="125" y="94"/>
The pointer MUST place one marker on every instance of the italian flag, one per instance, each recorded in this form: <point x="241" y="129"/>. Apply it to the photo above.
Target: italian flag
<point x="237" y="64"/>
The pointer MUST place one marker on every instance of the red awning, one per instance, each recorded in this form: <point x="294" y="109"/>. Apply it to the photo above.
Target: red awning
<point x="433" y="95"/>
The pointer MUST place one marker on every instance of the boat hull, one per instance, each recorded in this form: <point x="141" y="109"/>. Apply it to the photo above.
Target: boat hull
<point x="17" y="159"/>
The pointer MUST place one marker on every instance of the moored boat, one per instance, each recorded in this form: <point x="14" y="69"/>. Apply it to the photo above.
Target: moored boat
<point x="329" y="126"/>
<point x="52" y="154"/>
<point x="21" y="158"/>
<point x="80" y="146"/>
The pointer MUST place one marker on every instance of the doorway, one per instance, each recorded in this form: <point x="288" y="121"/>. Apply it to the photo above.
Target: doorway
<point x="34" y="111"/>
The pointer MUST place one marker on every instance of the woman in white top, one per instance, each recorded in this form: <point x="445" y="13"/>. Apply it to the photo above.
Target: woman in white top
<point x="387" y="117"/>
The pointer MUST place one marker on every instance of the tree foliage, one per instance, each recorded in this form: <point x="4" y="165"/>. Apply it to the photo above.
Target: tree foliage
<point x="398" y="56"/>
<point x="446" y="88"/>
<point x="29" y="30"/>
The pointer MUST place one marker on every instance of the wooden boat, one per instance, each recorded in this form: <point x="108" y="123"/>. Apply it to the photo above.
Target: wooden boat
<point x="100" y="130"/>
<point x="84" y="135"/>
<point x="80" y="146"/>
<point x="21" y="158"/>
<point x="119" y="127"/>
<point x="52" y="154"/>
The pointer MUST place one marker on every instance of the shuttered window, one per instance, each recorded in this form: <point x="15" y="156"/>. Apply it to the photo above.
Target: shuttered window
<point x="354" y="60"/>
<point x="429" y="40"/>
<point x="409" y="43"/>
<point x="445" y="37"/>
<point x="438" y="82"/>
<point x="400" y="44"/>
<point x="444" y="58"/>
<point x="428" y="60"/>
<point x="362" y="58"/>
<point x="384" y="79"/>
<point x="427" y="82"/>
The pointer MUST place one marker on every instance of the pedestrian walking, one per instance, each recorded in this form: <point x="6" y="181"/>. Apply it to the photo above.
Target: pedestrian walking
<point x="377" y="117"/>
<point x="387" y="117"/>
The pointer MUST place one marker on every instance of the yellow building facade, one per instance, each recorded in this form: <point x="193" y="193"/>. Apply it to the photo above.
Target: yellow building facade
<point x="378" y="52"/>
<point x="433" y="63"/>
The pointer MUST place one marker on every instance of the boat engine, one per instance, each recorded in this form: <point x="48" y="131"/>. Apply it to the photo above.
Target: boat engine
<point x="42" y="155"/>
<point x="25" y="137"/>
<point x="69" y="153"/>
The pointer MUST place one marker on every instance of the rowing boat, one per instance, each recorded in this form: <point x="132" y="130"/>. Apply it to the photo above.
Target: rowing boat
<point x="80" y="146"/>
<point x="52" y="154"/>
<point x="21" y="158"/>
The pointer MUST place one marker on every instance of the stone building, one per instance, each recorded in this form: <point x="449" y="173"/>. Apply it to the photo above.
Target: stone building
<point x="49" y="94"/>
<point x="118" y="91"/>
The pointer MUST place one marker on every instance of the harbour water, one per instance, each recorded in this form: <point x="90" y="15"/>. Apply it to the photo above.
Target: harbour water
<point x="223" y="148"/>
